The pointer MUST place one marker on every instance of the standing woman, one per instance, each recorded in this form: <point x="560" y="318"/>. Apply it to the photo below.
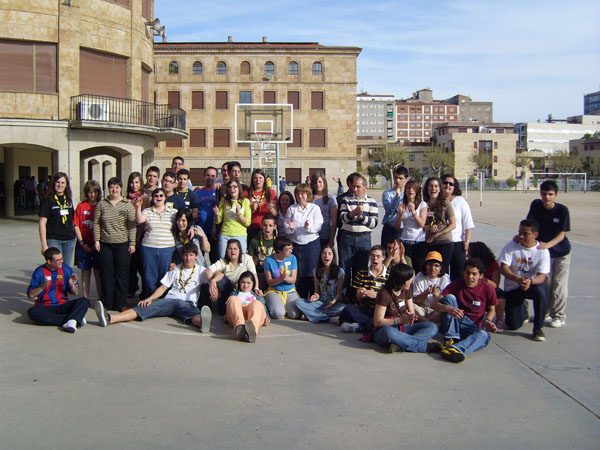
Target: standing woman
<point x="135" y="190"/>
<point x="158" y="242"/>
<point x="263" y="200"/>
<point x="56" y="218"/>
<point x="286" y="199"/>
<point x="411" y="217"/>
<point x="461" y="235"/>
<point x="328" y="206"/>
<point x="114" y="237"/>
<point x="303" y="222"/>
<point x="440" y="221"/>
<point x="235" y="215"/>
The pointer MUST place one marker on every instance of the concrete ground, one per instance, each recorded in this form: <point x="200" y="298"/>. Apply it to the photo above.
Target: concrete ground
<point x="160" y="384"/>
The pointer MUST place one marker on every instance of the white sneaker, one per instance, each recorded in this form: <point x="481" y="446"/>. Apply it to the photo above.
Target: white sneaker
<point x="70" y="326"/>
<point x="335" y="320"/>
<point x="101" y="314"/>
<point x="350" y="327"/>
<point x="83" y="322"/>
<point x="557" y="322"/>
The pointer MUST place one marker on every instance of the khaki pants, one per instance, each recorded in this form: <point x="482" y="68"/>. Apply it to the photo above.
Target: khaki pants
<point x="238" y="314"/>
<point x="557" y="284"/>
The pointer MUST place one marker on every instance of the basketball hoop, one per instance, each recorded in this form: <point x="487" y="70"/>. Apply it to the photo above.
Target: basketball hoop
<point x="264" y="136"/>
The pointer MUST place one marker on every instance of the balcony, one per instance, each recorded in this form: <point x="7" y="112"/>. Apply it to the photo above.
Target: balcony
<point x="162" y="122"/>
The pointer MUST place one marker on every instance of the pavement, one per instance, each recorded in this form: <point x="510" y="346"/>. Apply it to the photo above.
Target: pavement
<point x="161" y="384"/>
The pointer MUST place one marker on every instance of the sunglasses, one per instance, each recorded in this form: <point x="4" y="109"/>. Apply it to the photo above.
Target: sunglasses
<point x="448" y="183"/>
<point x="159" y="196"/>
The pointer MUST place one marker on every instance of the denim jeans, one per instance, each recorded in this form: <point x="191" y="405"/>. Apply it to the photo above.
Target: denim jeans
<point x="67" y="248"/>
<point x="223" y="243"/>
<point x="472" y="338"/>
<point x="360" y="315"/>
<point x="316" y="312"/>
<point x="353" y="252"/>
<point x="168" y="307"/>
<point x="413" y="340"/>
<point x="155" y="263"/>
<point x="516" y="308"/>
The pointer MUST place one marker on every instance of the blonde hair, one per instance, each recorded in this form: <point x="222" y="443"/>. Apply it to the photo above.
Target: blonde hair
<point x="303" y="187"/>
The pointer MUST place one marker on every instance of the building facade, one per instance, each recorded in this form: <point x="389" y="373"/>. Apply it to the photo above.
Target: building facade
<point x="375" y="117"/>
<point x="75" y="91"/>
<point x="591" y="103"/>
<point x="554" y="137"/>
<point x="589" y="152"/>
<point x="207" y="79"/>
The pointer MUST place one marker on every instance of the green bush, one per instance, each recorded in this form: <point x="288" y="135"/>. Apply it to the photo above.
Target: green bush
<point x="511" y="183"/>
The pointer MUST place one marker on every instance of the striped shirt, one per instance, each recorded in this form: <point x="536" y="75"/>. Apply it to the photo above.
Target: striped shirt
<point x="360" y="224"/>
<point x="157" y="228"/>
<point x="366" y="279"/>
<point x="114" y="224"/>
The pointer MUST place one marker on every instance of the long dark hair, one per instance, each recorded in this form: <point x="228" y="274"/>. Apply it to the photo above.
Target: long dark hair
<point x="399" y="274"/>
<point x="456" y="192"/>
<point x="230" y="242"/>
<point x="133" y="176"/>
<point x="438" y="206"/>
<point x="334" y="269"/>
<point x="417" y="187"/>
<point x="187" y="212"/>
<point x="51" y="192"/>
<point x="289" y="195"/>
<point x="227" y="199"/>
<point x="266" y="190"/>
<point x="481" y="251"/>
<point x="247" y="274"/>
<point x="313" y="184"/>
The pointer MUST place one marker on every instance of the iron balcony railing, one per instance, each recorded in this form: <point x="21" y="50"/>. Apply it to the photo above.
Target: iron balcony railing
<point x="99" y="108"/>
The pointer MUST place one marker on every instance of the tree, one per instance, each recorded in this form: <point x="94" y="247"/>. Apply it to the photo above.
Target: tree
<point x="565" y="162"/>
<point x="521" y="162"/>
<point x="511" y="183"/>
<point x="390" y="157"/>
<point x="482" y="160"/>
<point x="439" y="159"/>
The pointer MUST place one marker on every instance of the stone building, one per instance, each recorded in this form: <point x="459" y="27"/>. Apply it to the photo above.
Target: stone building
<point x="75" y="91"/>
<point x="589" y="151"/>
<point x="207" y="79"/>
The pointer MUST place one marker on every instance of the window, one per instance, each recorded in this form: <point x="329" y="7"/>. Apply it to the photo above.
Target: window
<point x="316" y="100"/>
<point x="495" y="172"/>
<point x="197" y="68"/>
<point x="197" y="99"/>
<point x="221" y="137"/>
<point x="499" y="130"/>
<point x="462" y="130"/>
<point x="173" y="68"/>
<point x="245" y="68"/>
<point x="293" y="68"/>
<point x="495" y="158"/>
<point x="221" y="68"/>
<point x="27" y="66"/>
<point x="411" y="157"/>
<point x="269" y="69"/>
<point x="316" y="138"/>
<point x="495" y="145"/>
<point x="173" y="143"/>
<point x="221" y="100"/>
<point x="294" y="99"/>
<point x="102" y="74"/>
<point x="317" y="68"/>
<point x="197" y="138"/>
<point x="475" y="144"/>
<point x="293" y="175"/>
<point x="269" y="97"/>
<point x="425" y="170"/>
<point x="173" y="98"/>
<point x="245" y="96"/>
<point x="147" y="9"/>
<point x="297" y="138"/>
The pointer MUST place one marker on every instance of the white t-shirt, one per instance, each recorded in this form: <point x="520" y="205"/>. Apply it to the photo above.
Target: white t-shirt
<point x="246" y="297"/>
<point x="524" y="262"/>
<point x="464" y="219"/>
<point x="185" y="283"/>
<point x="422" y="283"/>
<point x="411" y="230"/>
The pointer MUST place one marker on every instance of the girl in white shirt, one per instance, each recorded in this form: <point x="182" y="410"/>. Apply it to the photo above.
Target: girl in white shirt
<point x="411" y="217"/>
<point x="245" y="312"/>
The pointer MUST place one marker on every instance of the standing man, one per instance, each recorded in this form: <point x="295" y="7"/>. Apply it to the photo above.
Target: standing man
<point x="234" y="171"/>
<point x="189" y="199"/>
<point x="525" y="266"/>
<point x="282" y="184"/>
<point x="468" y="305"/>
<point x="224" y="178"/>
<point x="152" y="176"/>
<point x="50" y="286"/>
<point x="173" y="200"/>
<point x="207" y="199"/>
<point x="553" y="219"/>
<point x="359" y="216"/>
<point x="176" y="165"/>
<point x="391" y="199"/>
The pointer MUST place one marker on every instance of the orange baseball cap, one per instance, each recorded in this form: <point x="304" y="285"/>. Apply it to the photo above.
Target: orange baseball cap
<point x="433" y="256"/>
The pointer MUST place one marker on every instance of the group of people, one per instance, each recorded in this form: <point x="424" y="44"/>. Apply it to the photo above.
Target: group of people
<point x="253" y="256"/>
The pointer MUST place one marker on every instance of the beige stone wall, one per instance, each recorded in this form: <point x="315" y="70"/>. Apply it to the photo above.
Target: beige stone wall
<point x="338" y="82"/>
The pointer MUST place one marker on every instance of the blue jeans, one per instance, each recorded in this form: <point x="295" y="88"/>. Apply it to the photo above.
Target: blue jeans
<point x="223" y="243"/>
<point x="413" y="340"/>
<point x="168" y="307"/>
<point x="361" y="315"/>
<point x="353" y="252"/>
<point x="472" y="338"/>
<point x="516" y="308"/>
<point x="67" y="248"/>
<point x="155" y="263"/>
<point x="316" y="312"/>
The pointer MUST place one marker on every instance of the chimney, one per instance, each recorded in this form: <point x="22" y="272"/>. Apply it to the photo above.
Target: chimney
<point x="229" y="38"/>
<point x="264" y="39"/>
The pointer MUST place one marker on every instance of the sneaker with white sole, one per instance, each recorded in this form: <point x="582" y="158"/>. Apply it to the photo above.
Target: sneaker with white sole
<point x="348" y="327"/>
<point x="538" y="335"/>
<point x="557" y="322"/>
<point x="83" y="322"/>
<point x="70" y="326"/>
<point x="499" y="326"/>
<point x="101" y="314"/>
<point x="206" y="315"/>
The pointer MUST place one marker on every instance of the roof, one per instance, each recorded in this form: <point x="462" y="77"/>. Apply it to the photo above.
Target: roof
<point x="250" y="46"/>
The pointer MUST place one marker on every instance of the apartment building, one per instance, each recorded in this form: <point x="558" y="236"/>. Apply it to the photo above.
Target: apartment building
<point x="591" y="103"/>
<point x="552" y="137"/>
<point x="207" y="79"/>
<point x="375" y="117"/>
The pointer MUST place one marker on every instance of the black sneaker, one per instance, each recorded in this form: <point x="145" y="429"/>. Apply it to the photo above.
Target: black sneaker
<point x="434" y="347"/>
<point x="250" y="331"/>
<point x="240" y="332"/>
<point x="452" y="354"/>
<point x="538" y="335"/>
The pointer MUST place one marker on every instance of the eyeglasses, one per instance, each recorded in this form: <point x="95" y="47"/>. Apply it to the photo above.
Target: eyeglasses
<point x="448" y="183"/>
<point x="58" y="260"/>
<point x="434" y="264"/>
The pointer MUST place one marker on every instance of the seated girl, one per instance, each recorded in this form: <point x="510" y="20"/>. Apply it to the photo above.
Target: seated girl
<point x="245" y="311"/>
<point x="394" y="316"/>
<point x="428" y="286"/>
<point x="281" y="270"/>
<point x="329" y="283"/>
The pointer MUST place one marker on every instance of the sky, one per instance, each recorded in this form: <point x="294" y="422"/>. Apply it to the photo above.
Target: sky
<point x="531" y="58"/>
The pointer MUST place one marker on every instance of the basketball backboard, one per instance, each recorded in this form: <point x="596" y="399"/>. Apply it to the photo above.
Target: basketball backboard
<point x="254" y="119"/>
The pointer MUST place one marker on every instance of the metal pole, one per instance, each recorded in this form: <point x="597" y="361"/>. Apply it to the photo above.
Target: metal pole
<point x="277" y="166"/>
<point x="481" y="189"/>
<point x="466" y="186"/>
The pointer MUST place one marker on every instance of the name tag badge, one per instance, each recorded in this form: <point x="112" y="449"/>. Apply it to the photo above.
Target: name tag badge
<point x="187" y="203"/>
<point x="169" y="204"/>
<point x="430" y="214"/>
<point x="64" y="212"/>
<point x="476" y="303"/>
<point x="556" y="220"/>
